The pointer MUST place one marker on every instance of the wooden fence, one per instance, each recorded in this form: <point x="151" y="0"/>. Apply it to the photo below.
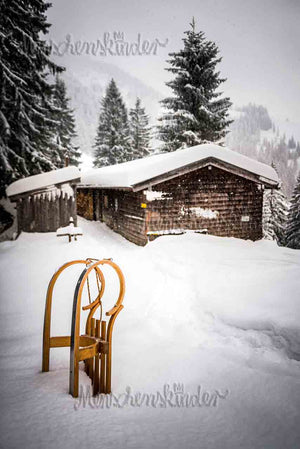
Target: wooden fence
<point x="45" y="213"/>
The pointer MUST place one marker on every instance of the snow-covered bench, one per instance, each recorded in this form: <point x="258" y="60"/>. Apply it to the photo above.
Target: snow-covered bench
<point x="152" y="235"/>
<point x="70" y="231"/>
<point x="177" y="231"/>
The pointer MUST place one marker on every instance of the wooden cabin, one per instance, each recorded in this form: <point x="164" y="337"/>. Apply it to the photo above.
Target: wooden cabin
<point x="206" y="188"/>
<point x="46" y="201"/>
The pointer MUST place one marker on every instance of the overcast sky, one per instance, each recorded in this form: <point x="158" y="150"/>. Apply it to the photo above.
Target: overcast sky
<point x="259" y="41"/>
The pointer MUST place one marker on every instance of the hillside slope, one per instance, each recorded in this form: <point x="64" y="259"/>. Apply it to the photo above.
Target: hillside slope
<point x="86" y="80"/>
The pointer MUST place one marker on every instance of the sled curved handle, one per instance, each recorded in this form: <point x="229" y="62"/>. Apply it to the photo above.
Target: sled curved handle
<point x="90" y="306"/>
<point x="101" y="292"/>
<point x="114" y="310"/>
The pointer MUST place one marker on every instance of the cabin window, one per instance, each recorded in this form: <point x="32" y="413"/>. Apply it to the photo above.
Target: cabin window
<point x="116" y="204"/>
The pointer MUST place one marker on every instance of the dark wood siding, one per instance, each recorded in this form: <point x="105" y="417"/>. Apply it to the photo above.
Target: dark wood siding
<point x="120" y="210"/>
<point x="125" y="215"/>
<point x="85" y="203"/>
<point x="209" y="198"/>
<point x="189" y="200"/>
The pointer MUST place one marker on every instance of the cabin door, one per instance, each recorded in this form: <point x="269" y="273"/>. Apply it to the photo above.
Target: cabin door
<point x="115" y="213"/>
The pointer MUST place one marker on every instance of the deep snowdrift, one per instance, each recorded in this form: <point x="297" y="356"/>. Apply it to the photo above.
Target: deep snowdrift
<point x="199" y="310"/>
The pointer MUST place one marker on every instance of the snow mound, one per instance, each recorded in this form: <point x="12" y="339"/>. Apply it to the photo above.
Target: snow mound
<point x="199" y="310"/>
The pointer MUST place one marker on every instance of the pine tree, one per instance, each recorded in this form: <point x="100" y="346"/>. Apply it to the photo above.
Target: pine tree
<point x="195" y="113"/>
<point x="64" y="128"/>
<point x="275" y="213"/>
<point x="291" y="143"/>
<point x="25" y="93"/>
<point x="139" y="131"/>
<point x="293" y="224"/>
<point x="112" y="144"/>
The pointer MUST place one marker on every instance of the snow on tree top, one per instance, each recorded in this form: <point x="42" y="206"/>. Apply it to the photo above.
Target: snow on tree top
<point x="37" y="182"/>
<point x="128" y="174"/>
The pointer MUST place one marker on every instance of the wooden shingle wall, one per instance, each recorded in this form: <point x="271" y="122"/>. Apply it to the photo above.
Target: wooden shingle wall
<point x="212" y="199"/>
<point x="122" y="212"/>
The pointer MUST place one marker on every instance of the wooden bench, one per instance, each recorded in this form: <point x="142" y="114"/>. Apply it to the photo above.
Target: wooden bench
<point x="69" y="231"/>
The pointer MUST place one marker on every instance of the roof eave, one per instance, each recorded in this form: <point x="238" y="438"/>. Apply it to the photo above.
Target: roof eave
<point x="204" y="163"/>
<point x="97" y="187"/>
<point x="41" y="190"/>
<point x="269" y="183"/>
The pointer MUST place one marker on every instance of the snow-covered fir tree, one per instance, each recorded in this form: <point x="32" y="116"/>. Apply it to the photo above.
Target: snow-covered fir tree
<point x="275" y="213"/>
<point x="64" y="128"/>
<point x="139" y="131"/>
<point x="112" y="144"/>
<point x="291" y="143"/>
<point x="196" y="113"/>
<point x="25" y="93"/>
<point x="293" y="224"/>
<point x="247" y="136"/>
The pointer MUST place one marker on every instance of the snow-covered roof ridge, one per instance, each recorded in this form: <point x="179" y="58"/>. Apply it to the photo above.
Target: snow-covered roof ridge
<point x="129" y="174"/>
<point x="43" y="180"/>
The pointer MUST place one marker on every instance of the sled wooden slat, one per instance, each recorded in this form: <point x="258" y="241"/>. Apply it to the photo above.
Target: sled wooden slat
<point x="60" y="342"/>
<point x="96" y="382"/>
<point x="91" y="361"/>
<point x="88" y="353"/>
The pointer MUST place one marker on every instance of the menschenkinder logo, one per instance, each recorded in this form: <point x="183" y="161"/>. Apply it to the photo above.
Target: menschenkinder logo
<point x="173" y="397"/>
<point x="110" y="44"/>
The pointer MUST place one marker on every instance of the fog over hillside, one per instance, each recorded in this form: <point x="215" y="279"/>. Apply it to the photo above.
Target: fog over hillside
<point x="86" y="80"/>
<point x="255" y="132"/>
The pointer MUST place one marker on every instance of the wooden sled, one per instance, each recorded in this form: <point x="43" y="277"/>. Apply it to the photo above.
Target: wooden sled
<point x="95" y="346"/>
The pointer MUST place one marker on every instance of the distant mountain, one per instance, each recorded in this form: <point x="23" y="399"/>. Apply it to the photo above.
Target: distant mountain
<point x="86" y="79"/>
<point x="288" y="128"/>
<point x="257" y="135"/>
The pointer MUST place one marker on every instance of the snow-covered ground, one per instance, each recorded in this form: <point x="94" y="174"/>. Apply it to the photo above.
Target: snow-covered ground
<point x="219" y="313"/>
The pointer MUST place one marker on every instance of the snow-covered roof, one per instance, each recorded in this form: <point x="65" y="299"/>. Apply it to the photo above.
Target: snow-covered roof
<point x="42" y="181"/>
<point x="129" y="174"/>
